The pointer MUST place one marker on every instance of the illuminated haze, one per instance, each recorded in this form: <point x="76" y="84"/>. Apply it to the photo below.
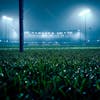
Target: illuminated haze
<point x="54" y="15"/>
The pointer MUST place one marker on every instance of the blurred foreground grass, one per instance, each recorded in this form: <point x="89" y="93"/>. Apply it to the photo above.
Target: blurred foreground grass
<point x="43" y="74"/>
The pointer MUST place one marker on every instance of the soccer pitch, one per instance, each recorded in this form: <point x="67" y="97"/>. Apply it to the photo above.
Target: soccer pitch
<point x="49" y="47"/>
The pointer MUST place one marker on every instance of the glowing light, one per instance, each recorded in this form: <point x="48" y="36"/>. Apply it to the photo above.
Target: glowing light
<point x="14" y="35"/>
<point x="76" y="36"/>
<point x="32" y="32"/>
<point x="56" y="42"/>
<point x="44" y="36"/>
<point x="85" y="12"/>
<point x="26" y="32"/>
<point x="45" y="33"/>
<point x="98" y="40"/>
<point x="39" y="33"/>
<point x="6" y="41"/>
<point x="69" y="32"/>
<point x="7" y="18"/>
<point x="52" y="33"/>
<point x="88" y="40"/>
<point x="78" y="30"/>
<point x="64" y="32"/>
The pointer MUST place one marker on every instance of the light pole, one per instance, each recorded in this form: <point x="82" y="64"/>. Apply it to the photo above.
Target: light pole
<point x="84" y="14"/>
<point x="6" y="20"/>
<point x="21" y="31"/>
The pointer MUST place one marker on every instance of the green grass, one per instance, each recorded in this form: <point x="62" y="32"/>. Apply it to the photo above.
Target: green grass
<point x="54" y="74"/>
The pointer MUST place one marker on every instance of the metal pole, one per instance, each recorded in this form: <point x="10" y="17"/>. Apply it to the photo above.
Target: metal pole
<point x="7" y="31"/>
<point x="21" y="49"/>
<point x="85" y="31"/>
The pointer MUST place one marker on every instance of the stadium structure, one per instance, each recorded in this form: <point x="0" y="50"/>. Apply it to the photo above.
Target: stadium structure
<point x="63" y="37"/>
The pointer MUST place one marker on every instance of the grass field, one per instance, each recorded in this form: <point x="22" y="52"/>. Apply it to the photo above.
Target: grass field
<point x="50" y="74"/>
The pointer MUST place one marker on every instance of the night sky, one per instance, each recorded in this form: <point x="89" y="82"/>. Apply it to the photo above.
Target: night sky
<point x="53" y="15"/>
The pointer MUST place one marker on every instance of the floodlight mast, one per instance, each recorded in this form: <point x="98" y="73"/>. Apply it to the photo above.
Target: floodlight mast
<point x="21" y="31"/>
<point x="84" y="14"/>
<point x="7" y="19"/>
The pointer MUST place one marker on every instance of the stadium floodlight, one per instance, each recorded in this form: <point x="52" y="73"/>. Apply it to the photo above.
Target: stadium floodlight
<point x="7" y="21"/>
<point x="88" y="40"/>
<point x="98" y="40"/>
<point x="84" y="14"/>
<point x="52" y="33"/>
<point x="7" y="18"/>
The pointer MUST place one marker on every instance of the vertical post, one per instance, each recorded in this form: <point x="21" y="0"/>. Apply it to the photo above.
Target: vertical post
<point x="80" y="36"/>
<point x="21" y="49"/>
<point x="85" y="31"/>
<point x="7" y="31"/>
